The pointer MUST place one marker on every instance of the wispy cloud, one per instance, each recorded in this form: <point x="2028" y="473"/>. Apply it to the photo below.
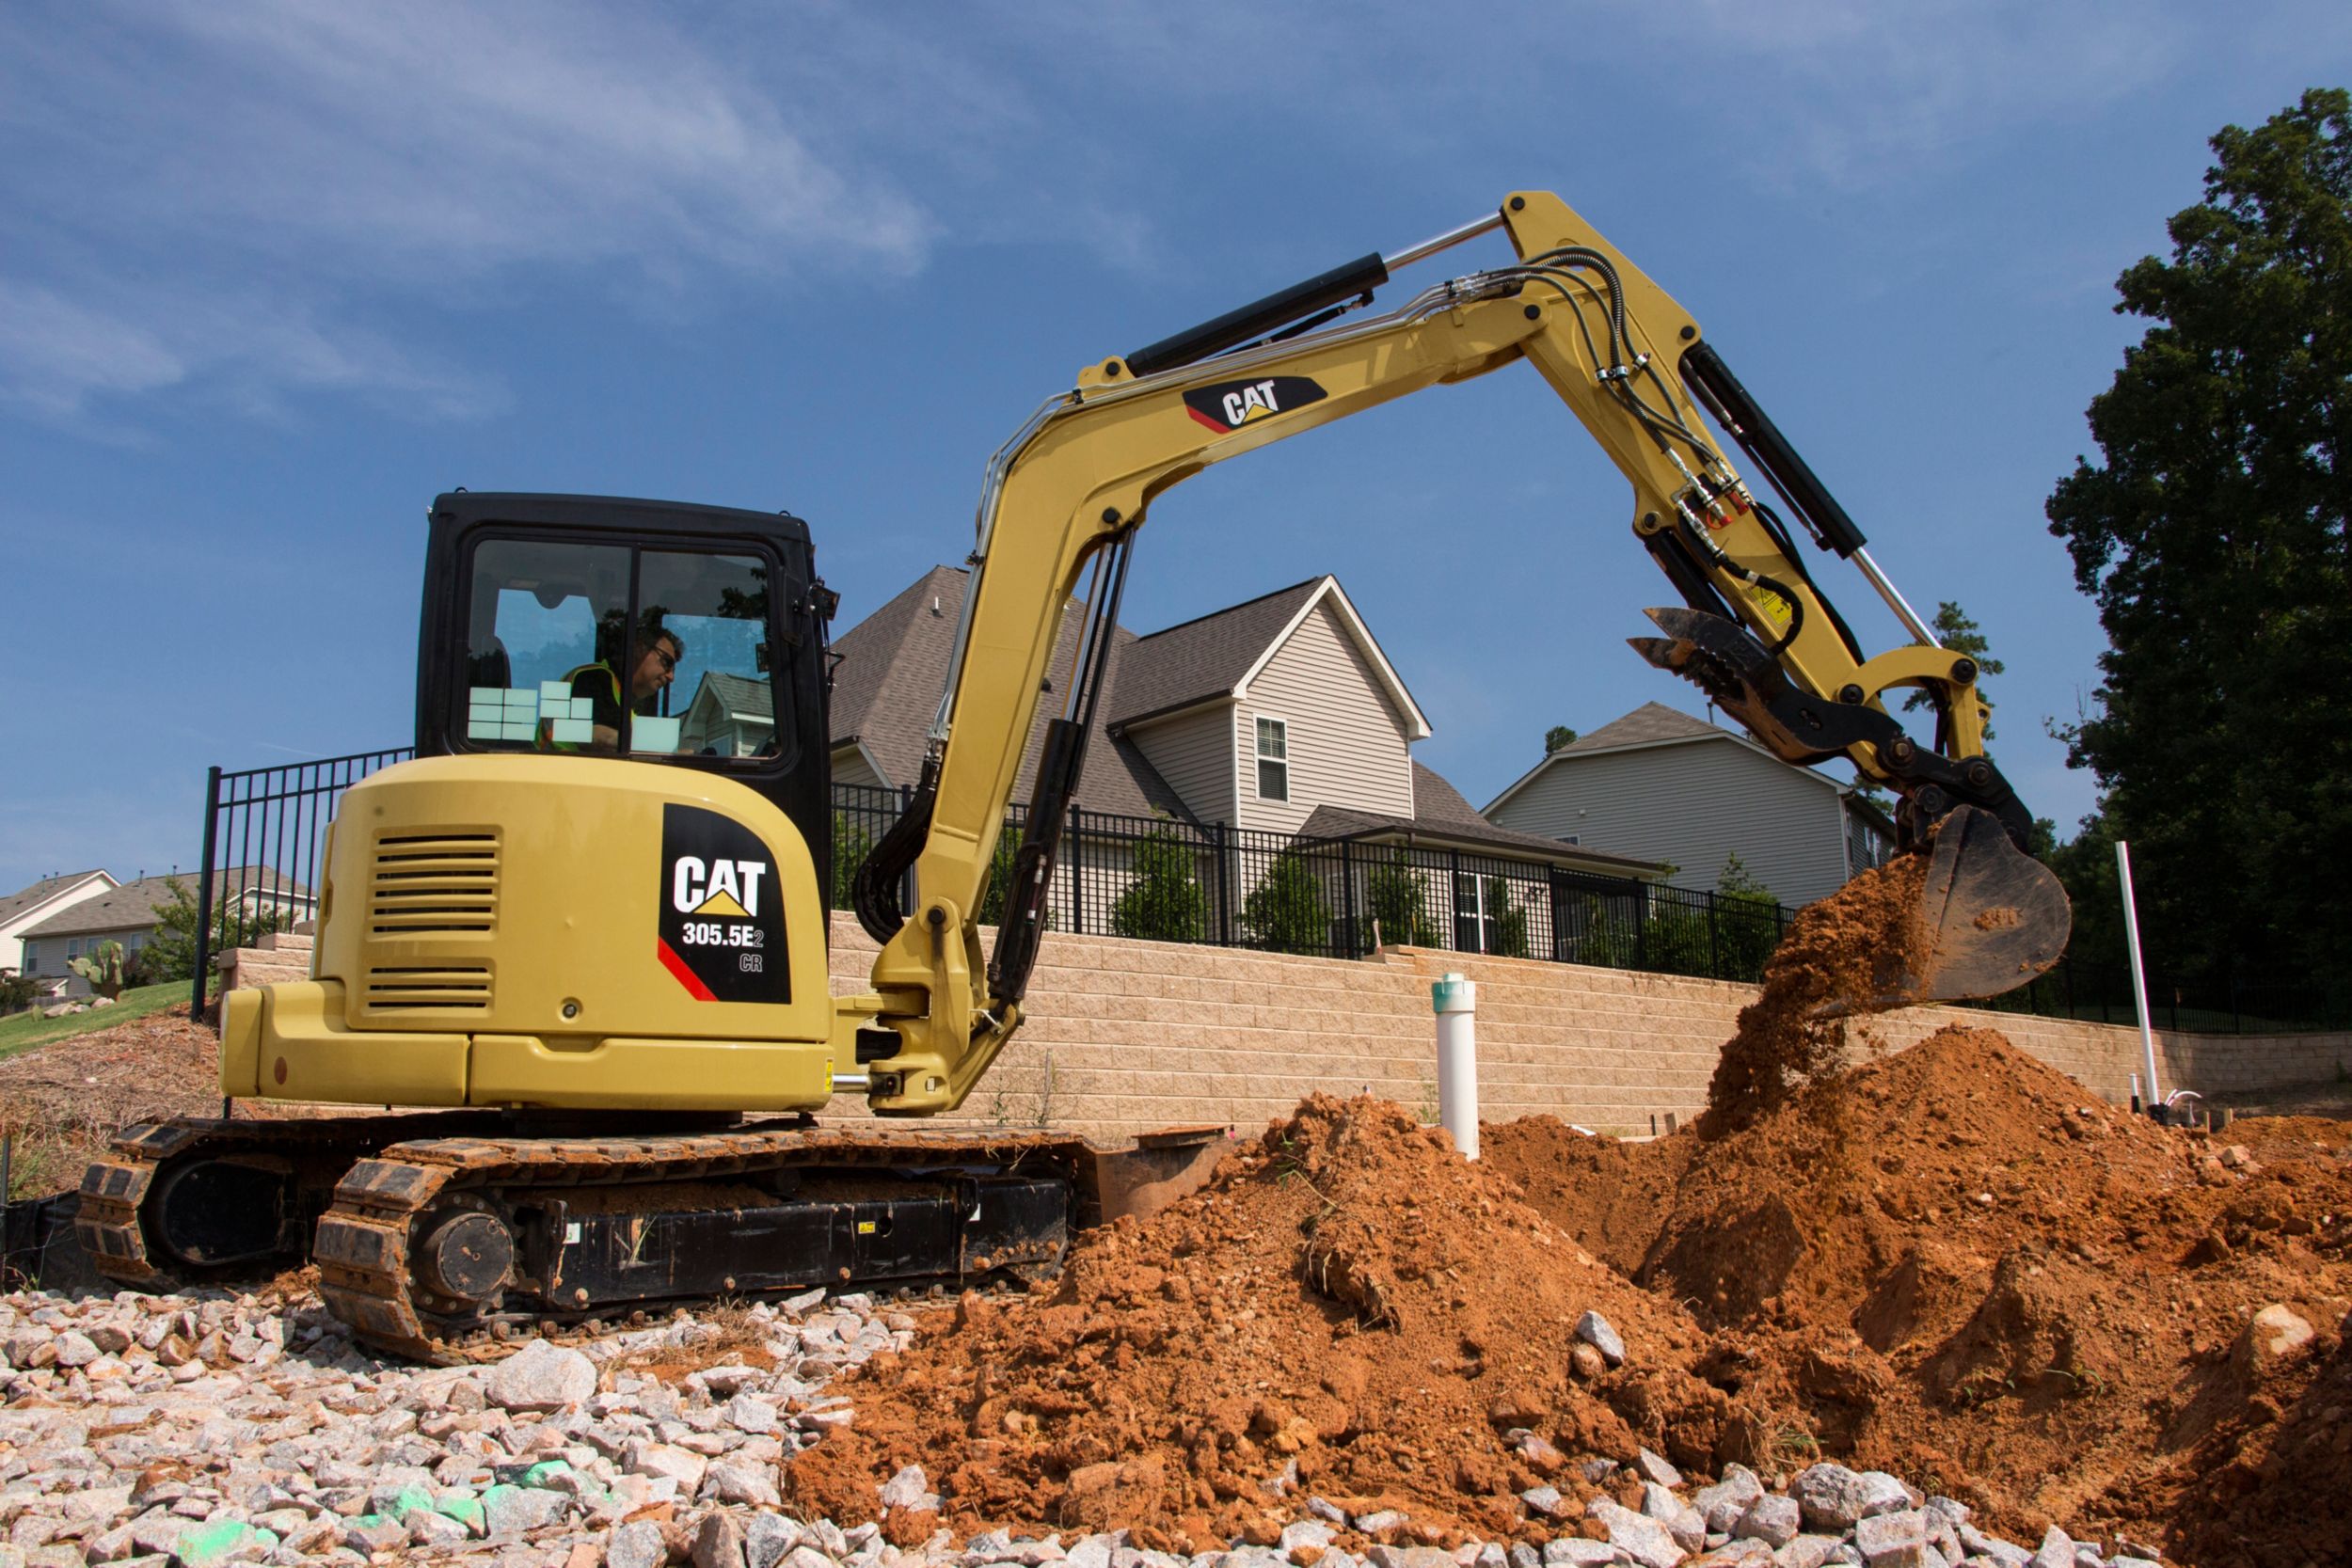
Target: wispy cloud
<point x="198" y="193"/>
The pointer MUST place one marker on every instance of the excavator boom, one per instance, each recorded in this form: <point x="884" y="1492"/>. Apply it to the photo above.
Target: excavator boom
<point x="1065" y="495"/>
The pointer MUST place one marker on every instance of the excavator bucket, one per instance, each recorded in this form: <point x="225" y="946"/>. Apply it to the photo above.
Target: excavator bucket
<point x="1995" y="917"/>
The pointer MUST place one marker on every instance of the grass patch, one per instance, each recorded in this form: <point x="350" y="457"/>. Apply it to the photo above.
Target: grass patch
<point x="29" y="1029"/>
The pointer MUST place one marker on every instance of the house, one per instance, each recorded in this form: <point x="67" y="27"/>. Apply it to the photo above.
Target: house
<point x="1662" y="785"/>
<point x="131" y="912"/>
<point x="28" y="907"/>
<point x="1268" y="721"/>
<point x="729" y="715"/>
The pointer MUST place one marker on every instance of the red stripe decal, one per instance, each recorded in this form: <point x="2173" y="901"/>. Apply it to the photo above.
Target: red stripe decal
<point x="1216" y="424"/>
<point x="675" y="965"/>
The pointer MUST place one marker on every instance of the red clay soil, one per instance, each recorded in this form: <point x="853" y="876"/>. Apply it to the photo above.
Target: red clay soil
<point x="1952" y="1263"/>
<point x="1851" y="952"/>
<point x="1346" y="1294"/>
<point x="1956" y="1265"/>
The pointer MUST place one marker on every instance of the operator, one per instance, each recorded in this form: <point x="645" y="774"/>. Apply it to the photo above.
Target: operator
<point x="658" y="650"/>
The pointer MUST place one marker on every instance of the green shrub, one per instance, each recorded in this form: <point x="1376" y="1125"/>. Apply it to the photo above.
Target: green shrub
<point x="1165" y="902"/>
<point x="1397" y="897"/>
<point x="1510" y="921"/>
<point x="1287" y="911"/>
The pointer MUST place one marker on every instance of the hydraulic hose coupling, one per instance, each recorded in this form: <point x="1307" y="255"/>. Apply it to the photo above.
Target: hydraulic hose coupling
<point x="1455" y="1001"/>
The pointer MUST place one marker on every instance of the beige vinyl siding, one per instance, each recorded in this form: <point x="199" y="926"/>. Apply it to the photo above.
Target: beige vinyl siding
<point x="1347" y="743"/>
<point x="1693" y="804"/>
<point x="849" y="767"/>
<point x="1194" y="752"/>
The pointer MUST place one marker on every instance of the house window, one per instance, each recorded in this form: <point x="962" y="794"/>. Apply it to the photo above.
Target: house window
<point x="32" y="958"/>
<point x="1273" y="768"/>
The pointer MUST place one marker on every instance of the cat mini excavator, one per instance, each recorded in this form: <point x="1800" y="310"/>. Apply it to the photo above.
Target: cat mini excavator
<point x="586" y="934"/>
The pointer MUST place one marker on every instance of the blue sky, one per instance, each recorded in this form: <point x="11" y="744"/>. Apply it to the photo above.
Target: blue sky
<point x="272" y="275"/>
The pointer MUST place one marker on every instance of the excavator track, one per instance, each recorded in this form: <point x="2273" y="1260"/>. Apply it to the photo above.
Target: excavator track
<point x="435" y="1233"/>
<point x="119" y="1186"/>
<point x="434" y="1243"/>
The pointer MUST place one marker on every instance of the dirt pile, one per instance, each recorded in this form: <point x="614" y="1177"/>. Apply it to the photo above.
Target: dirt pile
<point x="1347" y="1309"/>
<point x="1956" y="1264"/>
<point x="1847" y="953"/>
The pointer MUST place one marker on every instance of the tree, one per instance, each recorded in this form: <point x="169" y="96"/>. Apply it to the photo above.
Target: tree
<point x="2213" y="536"/>
<point x="1396" y="898"/>
<point x="1747" y="921"/>
<point x="1557" y="736"/>
<point x="1509" y="937"/>
<point x="17" y="992"/>
<point x="1287" y="911"/>
<point x="170" y="953"/>
<point x="1960" y="635"/>
<point x="1165" y="902"/>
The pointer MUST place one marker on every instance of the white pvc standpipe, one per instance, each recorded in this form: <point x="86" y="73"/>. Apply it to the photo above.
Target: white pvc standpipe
<point x="2139" y="980"/>
<point x="1455" y="1000"/>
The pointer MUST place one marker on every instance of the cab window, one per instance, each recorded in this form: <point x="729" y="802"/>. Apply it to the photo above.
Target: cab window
<point x="605" y="648"/>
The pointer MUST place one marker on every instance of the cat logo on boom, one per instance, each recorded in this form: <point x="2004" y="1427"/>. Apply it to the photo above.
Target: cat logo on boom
<point x="721" y="919"/>
<point x="1231" y="405"/>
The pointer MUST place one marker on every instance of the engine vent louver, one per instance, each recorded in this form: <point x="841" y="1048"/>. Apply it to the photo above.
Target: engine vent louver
<point x="437" y="884"/>
<point x="449" y="987"/>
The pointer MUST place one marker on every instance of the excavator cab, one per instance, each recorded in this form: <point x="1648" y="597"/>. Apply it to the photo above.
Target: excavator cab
<point x="653" y="631"/>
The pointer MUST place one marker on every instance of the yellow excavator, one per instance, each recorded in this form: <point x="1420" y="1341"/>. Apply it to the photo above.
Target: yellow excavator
<point x="585" y="933"/>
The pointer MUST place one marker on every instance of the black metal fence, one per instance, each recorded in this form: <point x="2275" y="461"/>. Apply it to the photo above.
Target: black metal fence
<point x="262" y="833"/>
<point x="1228" y="887"/>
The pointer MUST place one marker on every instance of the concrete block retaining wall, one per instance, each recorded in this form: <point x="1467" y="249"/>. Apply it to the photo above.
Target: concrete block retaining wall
<point x="1122" y="1037"/>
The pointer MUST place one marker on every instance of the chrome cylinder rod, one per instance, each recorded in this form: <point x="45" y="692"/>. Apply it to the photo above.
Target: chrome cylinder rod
<point x="1446" y="241"/>
<point x="1895" y="600"/>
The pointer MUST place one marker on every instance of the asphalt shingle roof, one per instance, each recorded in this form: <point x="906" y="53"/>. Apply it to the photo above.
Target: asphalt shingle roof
<point x="40" y="892"/>
<point x="1652" y="721"/>
<point x="887" y="689"/>
<point x="739" y="694"/>
<point x="1205" y="658"/>
<point x="1442" y="813"/>
<point x="136" y="904"/>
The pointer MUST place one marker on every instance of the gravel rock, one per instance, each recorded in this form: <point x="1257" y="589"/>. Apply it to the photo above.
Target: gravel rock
<point x="1806" y="1551"/>
<point x="2055" y="1551"/>
<point x="640" y="1546"/>
<point x="719" y="1542"/>
<point x="540" y="1376"/>
<point x="1898" y="1540"/>
<point x="910" y="1489"/>
<point x="512" y="1510"/>
<point x="1836" y="1498"/>
<point x="1683" y="1522"/>
<point x="1772" y="1520"/>
<point x="1721" y="1504"/>
<point x="1652" y="1467"/>
<point x="726" y="1483"/>
<point x="1643" y="1540"/>
<point x="767" y="1538"/>
<point x="1576" y="1552"/>
<point x="1594" y="1331"/>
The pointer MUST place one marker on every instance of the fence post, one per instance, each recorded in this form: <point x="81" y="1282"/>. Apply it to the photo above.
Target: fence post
<point x="1347" y="900"/>
<point x="1714" y="947"/>
<point x="1454" y="902"/>
<point x="1077" y="883"/>
<point x="204" y="895"/>
<point x="1224" y="888"/>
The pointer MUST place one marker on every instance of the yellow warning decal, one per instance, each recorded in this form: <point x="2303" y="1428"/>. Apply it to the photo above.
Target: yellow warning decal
<point x="866" y="1227"/>
<point x="1773" y="607"/>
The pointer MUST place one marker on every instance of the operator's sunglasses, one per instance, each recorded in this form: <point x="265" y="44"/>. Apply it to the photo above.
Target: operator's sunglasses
<point x="669" y="659"/>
